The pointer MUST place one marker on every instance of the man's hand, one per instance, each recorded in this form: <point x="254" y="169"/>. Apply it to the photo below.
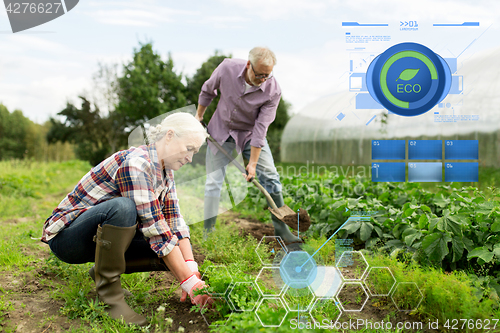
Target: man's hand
<point x="200" y="112"/>
<point x="251" y="171"/>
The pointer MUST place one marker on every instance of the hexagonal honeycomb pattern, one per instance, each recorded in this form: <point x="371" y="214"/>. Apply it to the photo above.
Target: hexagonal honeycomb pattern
<point x="352" y="265"/>
<point x="322" y="310"/>
<point x="327" y="282"/>
<point x="269" y="281"/>
<point x="352" y="296"/>
<point x="407" y="296"/>
<point x="244" y="296"/>
<point x="298" y="269"/>
<point x="379" y="281"/>
<point x="271" y="312"/>
<point x="298" y="300"/>
<point x="310" y="295"/>
<point x="271" y="250"/>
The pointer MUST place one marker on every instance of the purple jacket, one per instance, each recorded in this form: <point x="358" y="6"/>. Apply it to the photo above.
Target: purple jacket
<point x="244" y="116"/>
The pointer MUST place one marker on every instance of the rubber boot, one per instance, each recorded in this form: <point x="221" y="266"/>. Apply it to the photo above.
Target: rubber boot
<point x="111" y="244"/>
<point x="138" y="265"/>
<point x="211" y="209"/>
<point x="280" y="228"/>
<point x="126" y="293"/>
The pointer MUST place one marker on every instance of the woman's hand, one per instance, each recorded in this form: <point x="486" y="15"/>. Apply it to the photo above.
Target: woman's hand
<point x="193" y="284"/>
<point x="193" y="266"/>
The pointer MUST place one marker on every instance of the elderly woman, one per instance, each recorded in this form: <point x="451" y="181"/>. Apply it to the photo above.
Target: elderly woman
<point x="124" y="216"/>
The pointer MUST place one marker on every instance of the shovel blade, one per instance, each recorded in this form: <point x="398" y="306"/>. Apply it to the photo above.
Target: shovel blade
<point x="281" y="212"/>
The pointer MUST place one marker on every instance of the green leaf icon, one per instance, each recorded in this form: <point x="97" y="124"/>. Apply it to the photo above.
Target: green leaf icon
<point x="408" y="74"/>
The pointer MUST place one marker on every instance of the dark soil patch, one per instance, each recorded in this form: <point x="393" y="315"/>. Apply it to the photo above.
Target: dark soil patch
<point x="32" y="309"/>
<point x="303" y="222"/>
<point x="178" y="311"/>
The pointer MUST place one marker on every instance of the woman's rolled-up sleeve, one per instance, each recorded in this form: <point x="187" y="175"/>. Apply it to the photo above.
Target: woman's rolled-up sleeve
<point x="172" y="213"/>
<point x="135" y="182"/>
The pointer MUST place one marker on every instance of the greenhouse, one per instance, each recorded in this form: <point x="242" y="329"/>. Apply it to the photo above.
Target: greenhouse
<point x="333" y="131"/>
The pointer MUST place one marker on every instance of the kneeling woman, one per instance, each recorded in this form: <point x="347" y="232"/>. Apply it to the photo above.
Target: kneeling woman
<point x="124" y="216"/>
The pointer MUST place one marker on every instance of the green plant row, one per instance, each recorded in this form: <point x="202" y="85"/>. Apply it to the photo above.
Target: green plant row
<point x="449" y="228"/>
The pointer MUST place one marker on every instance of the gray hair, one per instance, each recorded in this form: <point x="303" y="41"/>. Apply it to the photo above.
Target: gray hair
<point x="262" y="54"/>
<point x="181" y="123"/>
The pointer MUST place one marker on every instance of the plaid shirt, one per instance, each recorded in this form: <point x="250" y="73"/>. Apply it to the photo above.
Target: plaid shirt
<point x="136" y="174"/>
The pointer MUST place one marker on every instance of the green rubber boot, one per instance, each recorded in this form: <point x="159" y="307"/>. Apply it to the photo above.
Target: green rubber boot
<point x="211" y="209"/>
<point x="280" y="228"/>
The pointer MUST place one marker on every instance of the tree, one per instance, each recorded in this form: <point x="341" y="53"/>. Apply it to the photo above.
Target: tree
<point x="149" y="87"/>
<point x="14" y="129"/>
<point x="92" y="133"/>
<point x="275" y="130"/>
<point x="195" y="83"/>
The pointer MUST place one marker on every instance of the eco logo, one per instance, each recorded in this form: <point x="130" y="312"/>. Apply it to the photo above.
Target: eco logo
<point x="26" y="14"/>
<point x="408" y="79"/>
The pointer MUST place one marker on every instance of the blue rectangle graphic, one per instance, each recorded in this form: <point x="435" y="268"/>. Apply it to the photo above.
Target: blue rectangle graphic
<point x="366" y="101"/>
<point x="461" y="172"/>
<point x="425" y="172"/>
<point x="388" y="149"/>
<point x="356" y="24"/>
<point x="465" y="24"/>
<point x="425" y="149"/>
<point x="389" y="172"/>
<point x="461" y="149"/>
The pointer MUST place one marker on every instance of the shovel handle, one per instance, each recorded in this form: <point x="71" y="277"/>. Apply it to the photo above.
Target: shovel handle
<point x="242" y="169"/>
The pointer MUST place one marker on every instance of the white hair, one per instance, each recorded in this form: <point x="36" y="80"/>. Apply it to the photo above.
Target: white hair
<point x="181" y="123"/>
<point x="262" y="54"/>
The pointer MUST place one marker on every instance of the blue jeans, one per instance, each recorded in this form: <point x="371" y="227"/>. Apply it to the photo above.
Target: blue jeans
<point x="216" y="168"/>
<point x="75" y="243"/>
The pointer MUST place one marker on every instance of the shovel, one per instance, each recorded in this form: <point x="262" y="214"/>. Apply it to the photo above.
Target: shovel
<point x="279" y="212"/>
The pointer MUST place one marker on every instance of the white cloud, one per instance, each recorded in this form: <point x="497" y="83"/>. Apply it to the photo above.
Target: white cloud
<point x="142" y="14"/>
<point x="280" y="9"/>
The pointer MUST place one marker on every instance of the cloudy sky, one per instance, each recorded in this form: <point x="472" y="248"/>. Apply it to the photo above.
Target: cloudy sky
<point x="42" y="68"/>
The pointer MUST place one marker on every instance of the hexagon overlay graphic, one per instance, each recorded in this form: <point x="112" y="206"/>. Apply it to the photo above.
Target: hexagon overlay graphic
<point x="379" y="281"/>
<point x="322" y="310"/>
<point x="269" y="281"/>
<point x="298" y="300"/>
<point x="352" y="297"/>
<point x="244" y="296"/>
<point x="218" y="277"/>
<point x="271" y="250"/>
<point x="298" y="269"/>
<point x="271" y="312"/>
<point x="352" y="265"/>
<point x="407" y="296"/>
<point x="218" y="314"/>
<point x="327" y="282"/>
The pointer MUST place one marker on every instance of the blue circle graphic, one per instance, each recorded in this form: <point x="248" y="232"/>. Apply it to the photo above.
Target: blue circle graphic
<point x="408" y="79"/>
<point x="298" y="269"/>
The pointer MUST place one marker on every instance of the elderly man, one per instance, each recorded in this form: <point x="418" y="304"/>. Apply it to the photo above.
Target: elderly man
<point x="249" y="98"/>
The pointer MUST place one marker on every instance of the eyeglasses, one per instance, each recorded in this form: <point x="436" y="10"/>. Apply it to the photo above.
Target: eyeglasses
<point x="261" y="76"/>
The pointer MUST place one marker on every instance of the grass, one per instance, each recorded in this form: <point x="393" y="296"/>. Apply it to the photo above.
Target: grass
<point x="29" y="192"/>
